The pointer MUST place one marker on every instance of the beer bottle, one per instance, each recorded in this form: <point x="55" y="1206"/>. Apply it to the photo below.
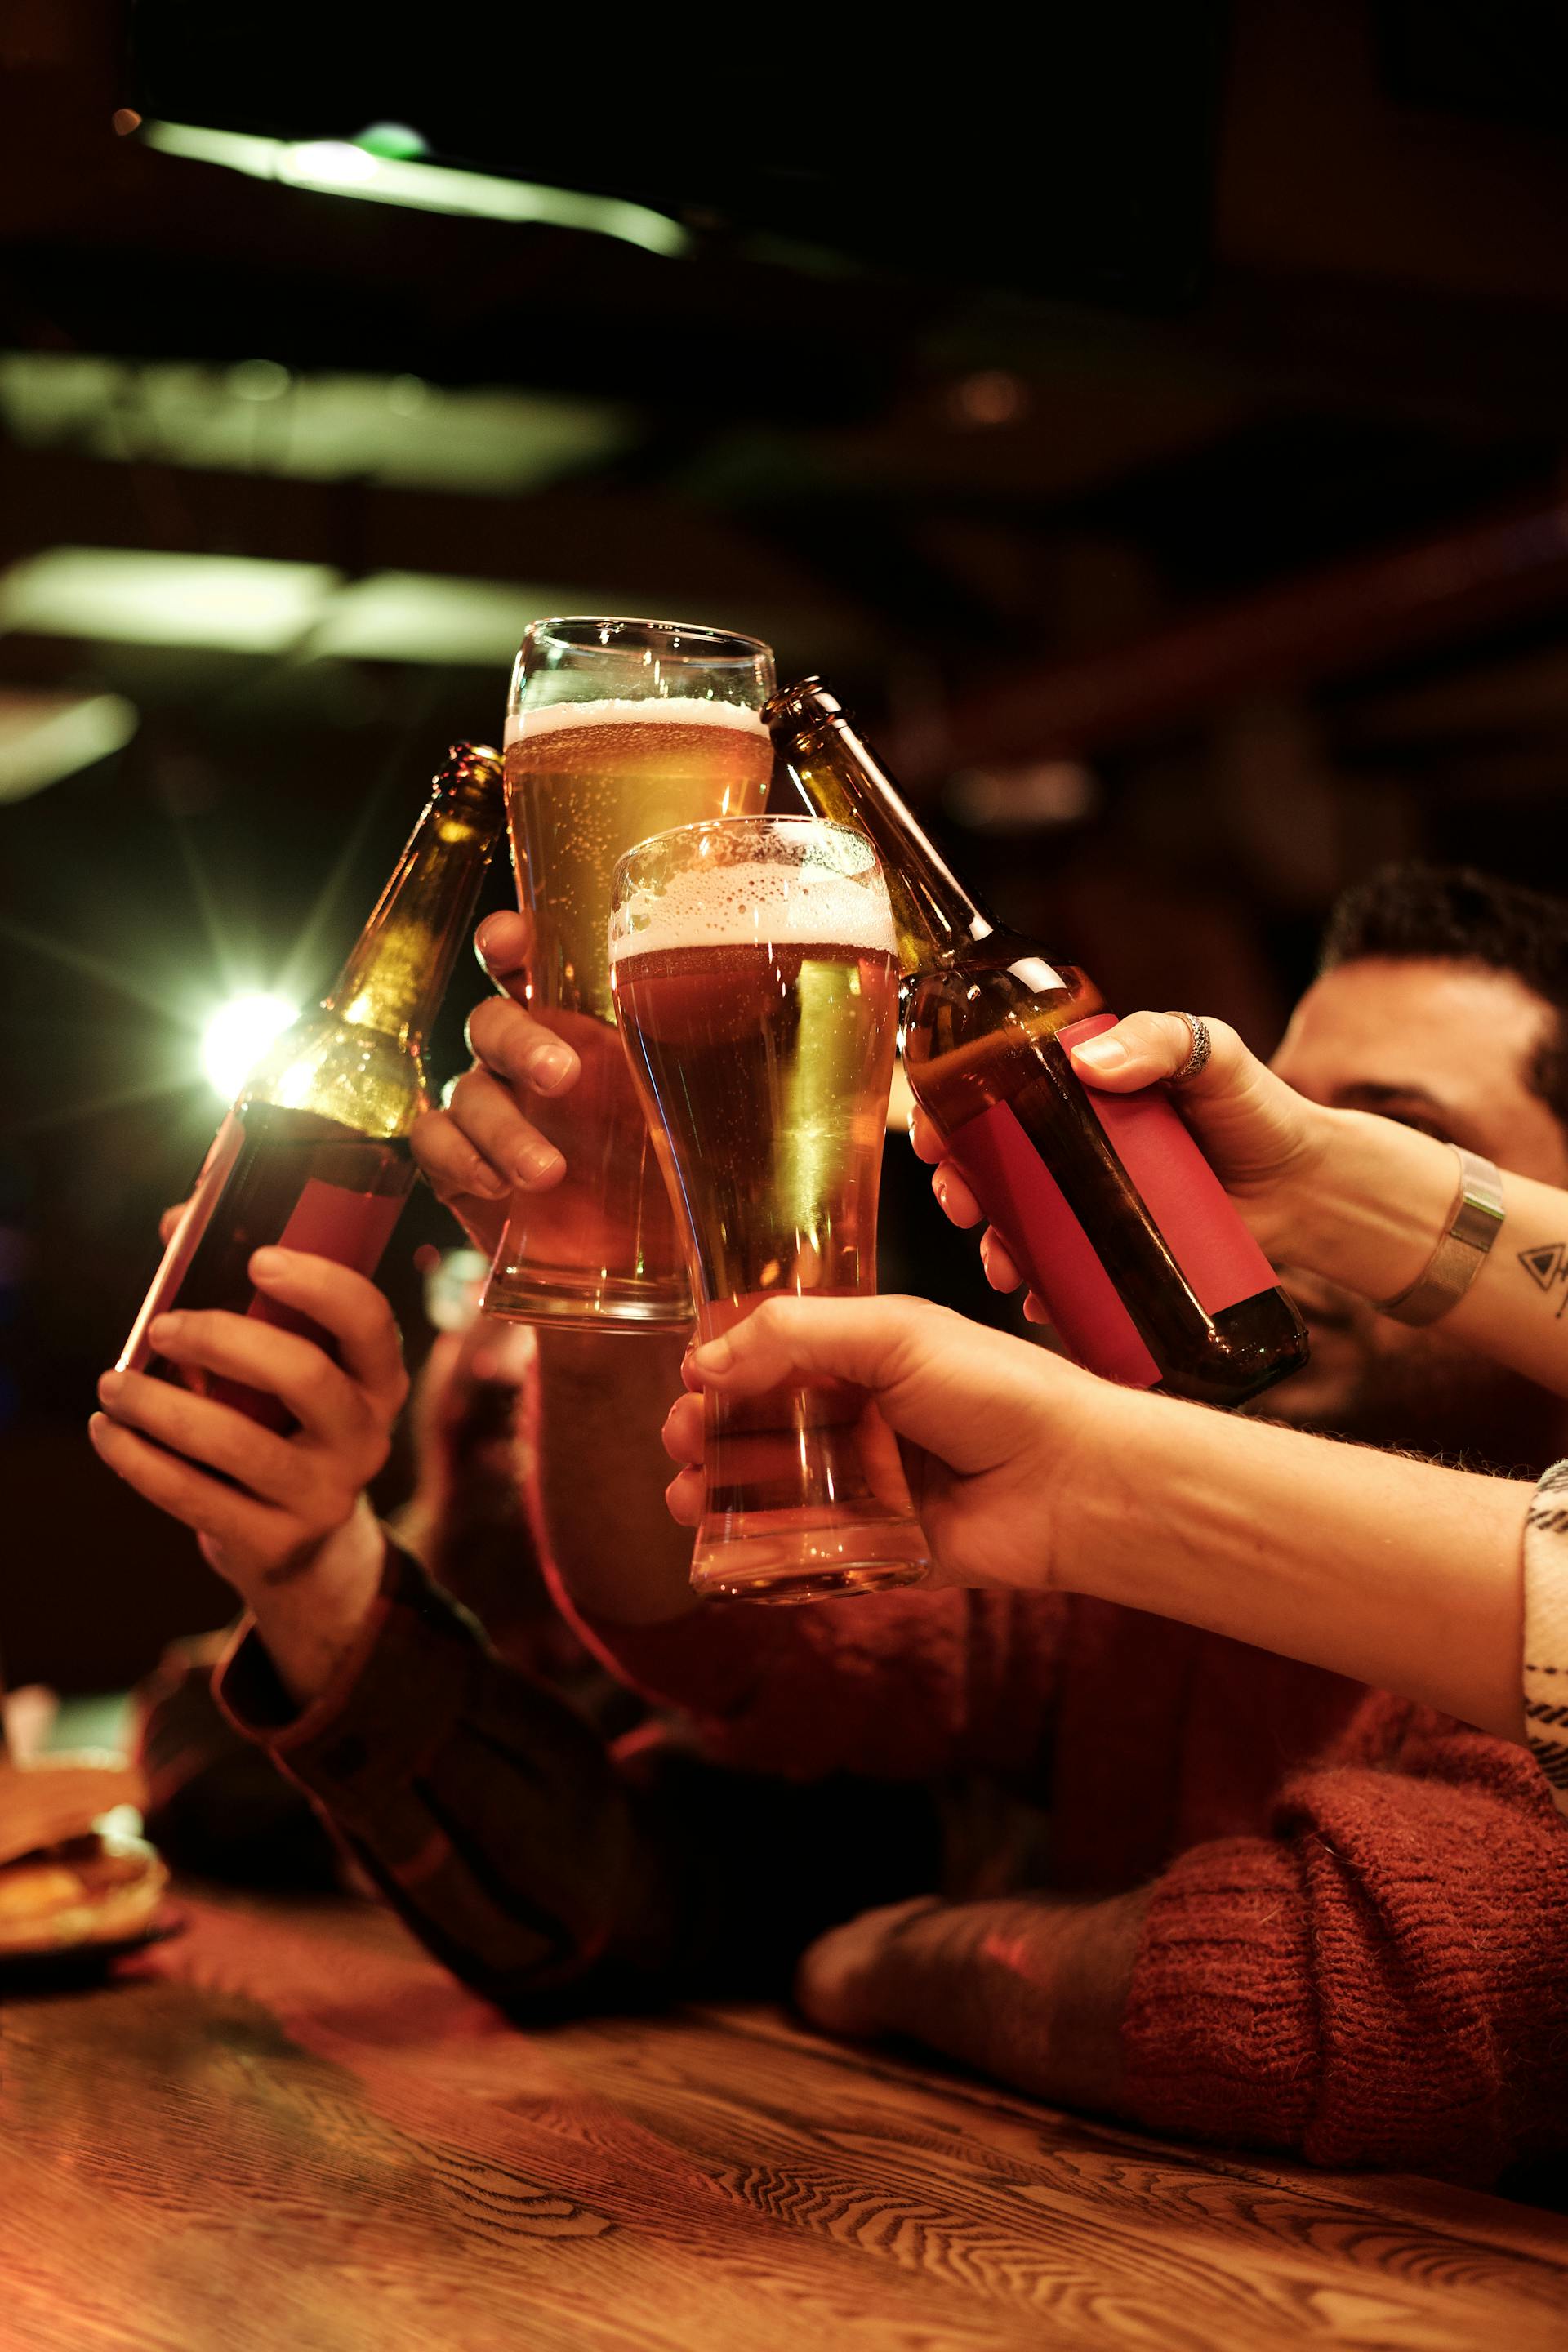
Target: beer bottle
<point x="1104" y="1201"/>
<point x="314" y="1153"/>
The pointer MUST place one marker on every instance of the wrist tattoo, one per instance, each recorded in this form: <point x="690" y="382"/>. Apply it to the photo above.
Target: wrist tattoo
<point x="1547" y="1266"/>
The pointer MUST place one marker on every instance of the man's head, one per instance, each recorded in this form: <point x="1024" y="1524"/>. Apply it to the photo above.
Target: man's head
<point x="1442" y="1001"/>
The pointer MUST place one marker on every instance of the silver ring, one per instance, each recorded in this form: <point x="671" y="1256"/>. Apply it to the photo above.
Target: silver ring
<point x="1203" y="1045"/>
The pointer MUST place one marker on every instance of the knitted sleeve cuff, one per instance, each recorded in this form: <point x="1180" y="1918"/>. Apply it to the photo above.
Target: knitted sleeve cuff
<point x="1220" y="2032"/>
<point x="1546" y="1630"/>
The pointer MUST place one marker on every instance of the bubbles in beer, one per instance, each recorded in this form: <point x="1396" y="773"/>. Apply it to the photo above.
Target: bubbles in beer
<point x="746" y="906"/>
<point x="618" y="710"/>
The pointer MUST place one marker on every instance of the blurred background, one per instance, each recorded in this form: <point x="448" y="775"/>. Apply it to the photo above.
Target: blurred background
<point x="1156" y="435"/>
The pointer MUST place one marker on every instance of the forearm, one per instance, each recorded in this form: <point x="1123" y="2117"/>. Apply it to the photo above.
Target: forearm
<point x="490" y="1813"/>
<point x="532" y="1857"/>
<point x="602" y="1473"/>
<point x="312" y="1614"/>
<point x="1391" y="1571"/>
<point x="1381" y="1198"/>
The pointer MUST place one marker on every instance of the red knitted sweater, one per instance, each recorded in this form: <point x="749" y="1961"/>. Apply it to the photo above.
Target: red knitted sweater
<point x="1356" y="1945"/>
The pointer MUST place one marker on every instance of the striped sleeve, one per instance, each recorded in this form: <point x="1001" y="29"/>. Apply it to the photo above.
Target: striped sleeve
<point x="1546" y="1630"/>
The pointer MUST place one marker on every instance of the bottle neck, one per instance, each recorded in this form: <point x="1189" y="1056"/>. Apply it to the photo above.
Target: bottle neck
<point x="934" y="917"/>
<point x="397" y="971"/>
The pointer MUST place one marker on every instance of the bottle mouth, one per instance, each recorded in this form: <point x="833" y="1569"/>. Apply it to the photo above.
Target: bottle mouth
<point x="808" y="699"/>
<point x="470" y="763"/>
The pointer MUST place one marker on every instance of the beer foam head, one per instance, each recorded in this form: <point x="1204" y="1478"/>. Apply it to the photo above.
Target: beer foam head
<point x="654" y="710"/>
<point x="752" y="905"/>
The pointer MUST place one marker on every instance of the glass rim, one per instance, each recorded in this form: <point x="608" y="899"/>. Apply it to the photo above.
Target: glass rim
<point x="761" y="821"/>
<point x="696" y="641"/>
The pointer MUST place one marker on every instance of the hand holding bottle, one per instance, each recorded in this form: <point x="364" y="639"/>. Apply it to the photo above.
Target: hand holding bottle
<point x="1106" y="1205"/>
<point x="313" y="1154"/>
<point x="1296" y="1171"/>
<point x="284" y="1518"/>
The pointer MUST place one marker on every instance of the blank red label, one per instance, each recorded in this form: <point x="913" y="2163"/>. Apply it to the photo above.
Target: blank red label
<point x="1023" y="1200"/>
<point x="1203" y="1231"/>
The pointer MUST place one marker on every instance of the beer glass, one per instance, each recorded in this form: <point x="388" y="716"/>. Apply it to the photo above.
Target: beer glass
<point x="615" y="730"/>
<point x="756" y="986"/>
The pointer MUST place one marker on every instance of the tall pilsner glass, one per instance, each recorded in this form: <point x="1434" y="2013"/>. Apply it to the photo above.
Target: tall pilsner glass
<point x="614" y="729"/>
<point x="756" y="984"/>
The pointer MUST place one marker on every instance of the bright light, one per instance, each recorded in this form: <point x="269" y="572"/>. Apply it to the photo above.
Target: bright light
<point x="257" y="605"/>
<point x="327" y="164"/>
<point x="247" y="603"/>
<point x="338" y="167"/>
<point x="238" y="1035"/>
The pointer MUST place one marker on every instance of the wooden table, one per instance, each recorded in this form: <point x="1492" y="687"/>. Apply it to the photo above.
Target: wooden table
<point x="289" y="2130"/>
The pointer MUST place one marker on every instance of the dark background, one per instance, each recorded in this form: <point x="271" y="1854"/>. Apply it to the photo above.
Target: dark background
<point x="1158" y="439"/>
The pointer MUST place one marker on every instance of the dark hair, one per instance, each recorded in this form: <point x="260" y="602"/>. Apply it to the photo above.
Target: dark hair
<point x="1454" y="912"/>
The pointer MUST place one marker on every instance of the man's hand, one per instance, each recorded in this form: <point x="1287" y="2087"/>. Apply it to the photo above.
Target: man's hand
<point x="599" y="1396"/>
<point x="1030" y="1989"/>
<point x="286" y="1521"/>
<point x="997" y="1437"/>
<point x="484" y="1146"/>
<point x="1264" y="1141"/>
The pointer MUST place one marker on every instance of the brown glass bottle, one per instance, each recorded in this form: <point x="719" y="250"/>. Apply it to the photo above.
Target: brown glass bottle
<point x="314" y="1153"/>
<point x="1104" y="1201"/>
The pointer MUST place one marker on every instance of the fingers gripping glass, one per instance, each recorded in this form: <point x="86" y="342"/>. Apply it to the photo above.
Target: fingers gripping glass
<point x="756" y="988"/>
<point x="615" y="729"/>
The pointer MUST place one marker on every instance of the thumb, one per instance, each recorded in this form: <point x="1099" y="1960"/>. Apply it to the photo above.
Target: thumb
<point x="1248" y="1120"/>
<point x="794" y="1338"/>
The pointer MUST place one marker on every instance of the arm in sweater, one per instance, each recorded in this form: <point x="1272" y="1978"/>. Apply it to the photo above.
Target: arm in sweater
<point x="531" y="1856"/>
<point x="1378" y="1982"/>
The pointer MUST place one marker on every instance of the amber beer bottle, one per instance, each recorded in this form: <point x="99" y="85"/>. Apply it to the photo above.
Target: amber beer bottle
<point x="314" y="1153"/>
<point x="1104" y="1201"/>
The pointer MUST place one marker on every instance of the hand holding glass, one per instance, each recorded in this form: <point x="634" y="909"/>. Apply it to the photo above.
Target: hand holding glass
<point x="756" y="989"/>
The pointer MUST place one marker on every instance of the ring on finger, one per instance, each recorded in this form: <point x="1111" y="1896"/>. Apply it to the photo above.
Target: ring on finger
<point x="1203" y="1045"/>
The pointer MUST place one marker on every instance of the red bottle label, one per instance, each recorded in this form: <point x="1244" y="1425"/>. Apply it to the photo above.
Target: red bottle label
<point x="332" y="1221"/>
<point x="1203" y="1229"/>
<point x="328" y="1221"/>
<point x="1217" y="1256"/>
<point x="1023" y="1200"/>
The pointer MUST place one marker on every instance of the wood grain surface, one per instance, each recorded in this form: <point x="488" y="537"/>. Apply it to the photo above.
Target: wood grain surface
<point x="289" y="2128"/>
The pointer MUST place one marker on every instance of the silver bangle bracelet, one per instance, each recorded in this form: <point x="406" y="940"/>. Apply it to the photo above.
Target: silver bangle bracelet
<point x="1462" y="1251"/>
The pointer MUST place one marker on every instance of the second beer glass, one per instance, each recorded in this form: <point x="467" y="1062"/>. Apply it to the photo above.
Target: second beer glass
<point x="756" y="987"/>
<point x="615" y="729"/>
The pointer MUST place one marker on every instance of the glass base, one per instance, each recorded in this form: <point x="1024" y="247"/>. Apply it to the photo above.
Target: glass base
<point x="572" y="1301"/>
<point x="793" y="1556"/>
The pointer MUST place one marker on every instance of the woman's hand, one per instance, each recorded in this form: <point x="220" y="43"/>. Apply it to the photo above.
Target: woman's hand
<point x="276" y="1505"/>
<point x="994" y="1432"/>
<point x="483" y="1147"/>
<point x="1264" y="1141"/>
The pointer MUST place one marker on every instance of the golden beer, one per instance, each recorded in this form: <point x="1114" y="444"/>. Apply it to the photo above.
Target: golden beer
<point x="756" y="985"/>
<point x="672" y="735"/>
<point x="585" y="782"/>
